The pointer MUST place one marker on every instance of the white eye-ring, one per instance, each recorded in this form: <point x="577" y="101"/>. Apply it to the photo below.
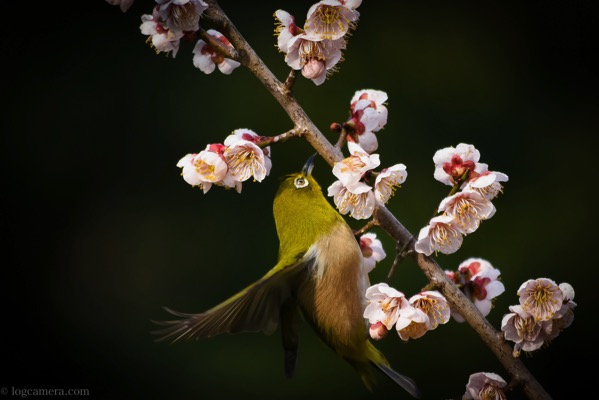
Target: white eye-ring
<point x="300" y="182"/>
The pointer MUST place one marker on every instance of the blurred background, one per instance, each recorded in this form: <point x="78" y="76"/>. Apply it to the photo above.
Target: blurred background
<point x="100" y="231"/>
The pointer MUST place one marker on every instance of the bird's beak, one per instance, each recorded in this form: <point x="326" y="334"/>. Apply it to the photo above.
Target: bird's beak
<point x="307" y="170"/>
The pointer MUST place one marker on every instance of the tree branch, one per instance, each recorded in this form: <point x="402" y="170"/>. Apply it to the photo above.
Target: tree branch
<point x="386" y="220"/>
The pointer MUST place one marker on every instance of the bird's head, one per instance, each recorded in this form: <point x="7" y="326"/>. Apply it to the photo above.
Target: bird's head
<point x="302" y="212"/>
<point x="300" y="185"/>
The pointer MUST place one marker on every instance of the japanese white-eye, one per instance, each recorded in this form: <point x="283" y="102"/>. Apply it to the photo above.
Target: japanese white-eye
<point x="319" y="273"/>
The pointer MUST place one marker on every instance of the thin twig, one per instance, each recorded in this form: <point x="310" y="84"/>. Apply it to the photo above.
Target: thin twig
<point x="400" y="255"/>
<point x="218" y="46"/>
<point x="289" y="82"/>
<point x="342" y="137"/>
<point x="369" y="225"/>
<point x="268" y="140"/>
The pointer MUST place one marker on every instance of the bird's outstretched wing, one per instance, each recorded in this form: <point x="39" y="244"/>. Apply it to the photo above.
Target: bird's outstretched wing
<point x="256" y="308"/>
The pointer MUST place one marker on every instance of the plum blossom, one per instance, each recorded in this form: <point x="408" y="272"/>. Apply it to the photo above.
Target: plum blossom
<point x="206" y="59"/>
<point x="357" y="199"/>
<point x="468" y="208"/>
<point x="374" y="101"/>
<point x="487" y="184"/>
<point x="207" y="168"/>
<point x="331" y="19"/>
<point x="228" y="164"/>
<point x="431" y="309"/>
<point x="545" y="310"/>
<point x="351" y="169"/>
<point x="434" y="306"/>
<point x="413" y="324"/>
<point x="244" y="157"/>
<point x="316" y="58"/>
<point x="453" y="164"/>
<point x="349" y="193"/>
<point x="368" y="115"/>
<point x="123" y="4"/>
<point x="162" y="39"/>
<point x="478" y="279"/>
<point x="541" y="298"/>
<point x="182" y="15"/>
<point x="564" y="317"/>
<point x="190" y="173"/>
<point x="485" y="386"/>
<point x="440" y="235"/>
<point x="521" y="328"/>
<point x="387" y="181"/>
<point x="385" y="305"/>
<point x="285" y="29"/>
<point x="372" y="250"/>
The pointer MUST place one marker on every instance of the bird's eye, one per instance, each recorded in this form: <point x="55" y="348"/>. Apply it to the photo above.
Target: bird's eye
<point x="300" y="182"/>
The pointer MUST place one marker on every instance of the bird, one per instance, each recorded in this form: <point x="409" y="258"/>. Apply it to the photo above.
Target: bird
<point x="319" y="275"/>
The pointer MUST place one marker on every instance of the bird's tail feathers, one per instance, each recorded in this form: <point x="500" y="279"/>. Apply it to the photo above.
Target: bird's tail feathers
<point x="405" y="382"/>
<point x="380" y="362"/>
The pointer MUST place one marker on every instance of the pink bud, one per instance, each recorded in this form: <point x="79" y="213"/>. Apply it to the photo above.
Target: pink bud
<point x="313" y="69"/>
<point x="378" y="331"/>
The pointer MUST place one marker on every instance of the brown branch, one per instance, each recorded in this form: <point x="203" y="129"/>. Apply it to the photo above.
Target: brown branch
<point x="386" y="220"/>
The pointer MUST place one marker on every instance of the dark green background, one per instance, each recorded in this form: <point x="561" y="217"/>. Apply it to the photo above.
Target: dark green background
<point x="100" y="231"/>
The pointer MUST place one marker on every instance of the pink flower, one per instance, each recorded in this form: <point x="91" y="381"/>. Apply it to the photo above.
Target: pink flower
<point x="388" y="180"/>
<point x="330" y="19"/>
<point x="430" y="310"/>
<point x="244" y="157"/>
<point x="163" y="40"/>
<point x="372" y="250"/>
<point x="440" y="235"/>
<point x="285" y="30"/>
<point x="373" y="103"/>
<point x="479" y="281"/>
<point x="564" y="317"/>
<point x="521" y="328"/>
<point x="357" y="199"/>
<point x="485" y="386"/>
<point x="452" y="164"/>
<point x="385" y="305"/>
<point x="486" y="183"/>
<point x="181" y="15"/>
<point x="351" y="169"/>
<point x="434" y="306"/>
<point x="310" y="54"/>
<point x="468" y="208"/>
<point x="541" y="298"/>
<point x="412" y="325"/>
<point x="207" y="168"/>
<point x="368" y="115"/>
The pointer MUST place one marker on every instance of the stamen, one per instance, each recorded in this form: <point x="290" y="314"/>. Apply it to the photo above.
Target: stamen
<point x="184" y="15"/>
<point x="329" y="22"/>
